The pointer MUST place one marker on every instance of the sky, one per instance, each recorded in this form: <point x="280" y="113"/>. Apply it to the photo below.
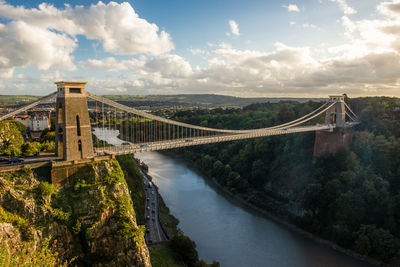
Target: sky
<point x="246" y="48"/>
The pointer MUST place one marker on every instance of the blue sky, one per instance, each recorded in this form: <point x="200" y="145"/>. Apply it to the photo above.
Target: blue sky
<point x="235" y="47"/>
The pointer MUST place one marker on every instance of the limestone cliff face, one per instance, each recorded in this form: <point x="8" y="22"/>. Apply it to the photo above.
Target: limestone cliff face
<point x="92" y="218"/>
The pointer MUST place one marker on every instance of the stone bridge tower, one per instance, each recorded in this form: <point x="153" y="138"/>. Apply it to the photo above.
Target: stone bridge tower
<point x="73" y="131"/>
<point x="337" y="113"/>
<point x="328" y="142"/>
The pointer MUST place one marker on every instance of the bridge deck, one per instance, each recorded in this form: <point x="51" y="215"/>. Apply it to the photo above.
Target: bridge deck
<point x="152" y="146"/>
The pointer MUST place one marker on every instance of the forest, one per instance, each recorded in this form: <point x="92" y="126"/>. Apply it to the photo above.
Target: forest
<point x="351" y="198"/>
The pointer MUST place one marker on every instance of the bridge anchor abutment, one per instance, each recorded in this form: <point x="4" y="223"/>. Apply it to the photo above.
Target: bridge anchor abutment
<point x="328" y="143"/>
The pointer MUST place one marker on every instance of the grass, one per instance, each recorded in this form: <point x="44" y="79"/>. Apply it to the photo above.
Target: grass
<point x="20" y="223"/>
<point x="162" y="256"/>
<point x="135" y="184"/>
<point x="168" y="222"/>
<point x="46" y="255"/>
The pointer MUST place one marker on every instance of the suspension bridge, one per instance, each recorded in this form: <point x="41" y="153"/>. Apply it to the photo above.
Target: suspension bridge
<point x="79" y="112"/>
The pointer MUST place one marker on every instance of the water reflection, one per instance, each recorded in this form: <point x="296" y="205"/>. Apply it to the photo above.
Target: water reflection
<point x="224" y="231"/>
<point x="228" y="233"/>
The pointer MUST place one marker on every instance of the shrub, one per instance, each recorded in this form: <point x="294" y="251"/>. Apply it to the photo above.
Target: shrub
<point x="60" y="215"/>
<point x="48" y="146"/>
<point x="45" y="256"/>
<point x="20" y="223"/>
<point x="46" y="189"/>
<point x="30" y="149"/>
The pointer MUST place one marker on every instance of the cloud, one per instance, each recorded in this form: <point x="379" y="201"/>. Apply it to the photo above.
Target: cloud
<point x="196" y="51"/>
<point x="234" y="28"/>
<point x="348" y="10"/>
<point x="23" y="44"/>
<point x="120" y="29"/>
<point x="311" y="26"/>
<point x="52" y="76"/>
<point x="110" y="64"/>
<point x="47" y="36"/>
<point x="367" y="62"/>
<point x="292" y="8"/>
<point x="171" y="66"/>
<point x="391" y="9"/>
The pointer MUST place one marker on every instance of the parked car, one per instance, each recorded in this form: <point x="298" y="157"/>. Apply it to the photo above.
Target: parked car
<point x="15" y="160"/>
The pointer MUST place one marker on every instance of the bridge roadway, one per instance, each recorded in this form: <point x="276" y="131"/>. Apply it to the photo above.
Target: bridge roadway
<point x="169" y="144"/>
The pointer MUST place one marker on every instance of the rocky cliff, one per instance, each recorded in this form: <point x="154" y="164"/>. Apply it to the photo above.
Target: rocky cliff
<point x="90" y="220"/>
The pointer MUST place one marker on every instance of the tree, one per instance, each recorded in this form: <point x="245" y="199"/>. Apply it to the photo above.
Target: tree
<point x="383" y="244"/>
<point x="20" y="126"/>
<point x="30" y="149"/>
<point x="258" y="174"/>
<point x="47" y="136"/>
<point x="218" y="171"/>
<point x="9" y="136"/>
<point x="363" y="244"/>
<point x="184" y="249"/>
<point x="311" y="198"/>
<point x="350" y="209"/>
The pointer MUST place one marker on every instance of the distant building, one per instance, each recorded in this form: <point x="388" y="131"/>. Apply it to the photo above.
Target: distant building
<point x="35" y="123"/>
<point x="38" y="124"/>
<point x="24" y="119"/>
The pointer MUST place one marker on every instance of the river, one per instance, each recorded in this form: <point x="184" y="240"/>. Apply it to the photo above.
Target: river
<point x="228" y="233"/>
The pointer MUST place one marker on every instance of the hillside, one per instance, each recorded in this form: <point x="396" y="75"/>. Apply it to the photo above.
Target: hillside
<point x="351" y="198"/>
<point x="162" y="101"/>
<point x="90" y="221"/>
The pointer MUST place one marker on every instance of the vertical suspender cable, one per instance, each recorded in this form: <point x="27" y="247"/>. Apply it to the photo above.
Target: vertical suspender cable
<point x="102" y="112"/>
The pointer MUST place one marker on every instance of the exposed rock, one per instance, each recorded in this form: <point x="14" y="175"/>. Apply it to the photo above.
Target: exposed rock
<point x="11" y="236"/>
<point x="92" y="218"/>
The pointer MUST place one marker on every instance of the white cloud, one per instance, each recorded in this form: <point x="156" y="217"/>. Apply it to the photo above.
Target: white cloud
<point x="311" y="26"/>
<point x="120" y="29"/>
<point x="292" y="8"/>
<point x="111" y="64"/>
<point x="348" y="10"/>
<point x="234" y="27"/>
<point x="46" y="36"/>
<point x="52" y="76"/>
<point x="23" y="44"/>
<point x="171" y="66"/>
<point x="391" y="9"/>
<point x="196" y="51"/>
<point x="368" y="62"/>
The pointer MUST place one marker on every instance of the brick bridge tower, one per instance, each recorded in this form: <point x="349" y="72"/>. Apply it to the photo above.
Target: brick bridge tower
<point x="73" y="131"/>
<point x="328" y="142"/>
